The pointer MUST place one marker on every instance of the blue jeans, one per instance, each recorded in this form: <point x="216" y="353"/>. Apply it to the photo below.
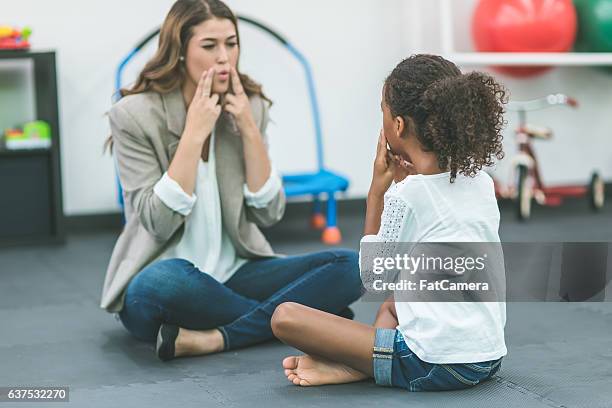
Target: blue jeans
<point x="396" y="365"/>
<point x="175" y="291"/>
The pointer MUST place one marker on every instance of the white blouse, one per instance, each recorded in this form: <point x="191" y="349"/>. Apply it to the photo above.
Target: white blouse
<point x="205" y="243"/>
<point x="428" y="208"/>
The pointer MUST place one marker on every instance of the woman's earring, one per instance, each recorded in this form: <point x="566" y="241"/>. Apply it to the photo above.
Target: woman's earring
<point x="182" y="58"/>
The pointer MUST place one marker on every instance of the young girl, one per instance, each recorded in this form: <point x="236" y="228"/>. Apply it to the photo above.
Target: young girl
<point x="440" y="127"/>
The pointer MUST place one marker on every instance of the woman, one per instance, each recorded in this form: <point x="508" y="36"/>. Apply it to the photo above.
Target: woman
<point x="191" y="268"/>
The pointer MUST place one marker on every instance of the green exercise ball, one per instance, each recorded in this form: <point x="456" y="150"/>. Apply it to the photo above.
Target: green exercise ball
<point x="594" y="25"/>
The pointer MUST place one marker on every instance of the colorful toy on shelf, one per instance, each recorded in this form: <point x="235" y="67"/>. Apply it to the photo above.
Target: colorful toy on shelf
<point x="13" y="134"/>
<point x="594" y="26"/>
<point x="13" y="39"/>
<point x="524" y="26"/>
<point x="35" y="135"/>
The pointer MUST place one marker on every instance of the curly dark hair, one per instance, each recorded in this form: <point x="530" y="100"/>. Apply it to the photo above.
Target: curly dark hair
<point x="459" y="117"/>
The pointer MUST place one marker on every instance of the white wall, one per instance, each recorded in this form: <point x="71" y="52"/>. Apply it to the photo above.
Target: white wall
<point x="352" y="45"/>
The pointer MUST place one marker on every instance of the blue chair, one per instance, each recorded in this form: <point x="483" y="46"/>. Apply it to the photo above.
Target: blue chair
<point x="320" y="184"/>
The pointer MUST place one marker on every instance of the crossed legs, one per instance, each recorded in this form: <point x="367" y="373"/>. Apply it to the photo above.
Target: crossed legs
<point x="337" y="350"/>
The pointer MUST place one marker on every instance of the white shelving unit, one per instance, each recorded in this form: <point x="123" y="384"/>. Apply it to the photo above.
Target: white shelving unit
<point x="531" y="58"/>
<point x="510" y="58"/>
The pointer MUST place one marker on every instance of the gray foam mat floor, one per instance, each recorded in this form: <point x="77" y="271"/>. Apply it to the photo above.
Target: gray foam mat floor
<point x="54" y="334"/>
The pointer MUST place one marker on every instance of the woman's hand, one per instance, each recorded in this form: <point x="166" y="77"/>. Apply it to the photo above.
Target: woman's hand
<point x="237" y="103"/>
<point x="257" y="163"/>
<point x="202" y="115"/>
<point x="204" y="109"/>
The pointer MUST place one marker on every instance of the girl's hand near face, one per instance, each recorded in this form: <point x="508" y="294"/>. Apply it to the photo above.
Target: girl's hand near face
<point x="204" y="109"/>
<point x="382" y="177"/>
<point x="387" y="168"/>
<point x="402" y="169"/>
<point x="384" y="168"/>
<point x="237" y="103"/>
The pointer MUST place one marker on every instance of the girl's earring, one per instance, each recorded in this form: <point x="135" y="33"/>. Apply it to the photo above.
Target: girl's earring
<point x="182" y="58"/>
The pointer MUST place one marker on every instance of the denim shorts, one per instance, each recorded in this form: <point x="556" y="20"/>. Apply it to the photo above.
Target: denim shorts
<point x="396" y="365"/>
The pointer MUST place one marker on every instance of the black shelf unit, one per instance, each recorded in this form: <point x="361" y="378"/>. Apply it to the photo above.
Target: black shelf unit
<point x="31" y="208"/>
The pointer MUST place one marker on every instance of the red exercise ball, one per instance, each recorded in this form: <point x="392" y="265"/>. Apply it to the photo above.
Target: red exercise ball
<point x="524" y="26"/>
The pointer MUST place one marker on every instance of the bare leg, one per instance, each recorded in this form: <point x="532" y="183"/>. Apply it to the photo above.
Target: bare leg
<point x="197" y="342"/>
<point x="386" y="318"/>
<point x="340" y="350"/>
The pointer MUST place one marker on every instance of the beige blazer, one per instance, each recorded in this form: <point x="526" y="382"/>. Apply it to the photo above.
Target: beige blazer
<point x="146" y="129"/>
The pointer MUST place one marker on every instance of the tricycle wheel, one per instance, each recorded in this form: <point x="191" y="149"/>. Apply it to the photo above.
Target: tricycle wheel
<point x="525" y="193"/>
<point x="597" y="194"/>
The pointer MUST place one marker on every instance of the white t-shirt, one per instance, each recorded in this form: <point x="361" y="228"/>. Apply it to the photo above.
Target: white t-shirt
<point x="204" y="242"/>
<point x="428" y="208"/>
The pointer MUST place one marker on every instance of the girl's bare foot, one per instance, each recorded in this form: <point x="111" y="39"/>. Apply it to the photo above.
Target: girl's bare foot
<point x="309" y="370"/>
<point x="197" y="342"/>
